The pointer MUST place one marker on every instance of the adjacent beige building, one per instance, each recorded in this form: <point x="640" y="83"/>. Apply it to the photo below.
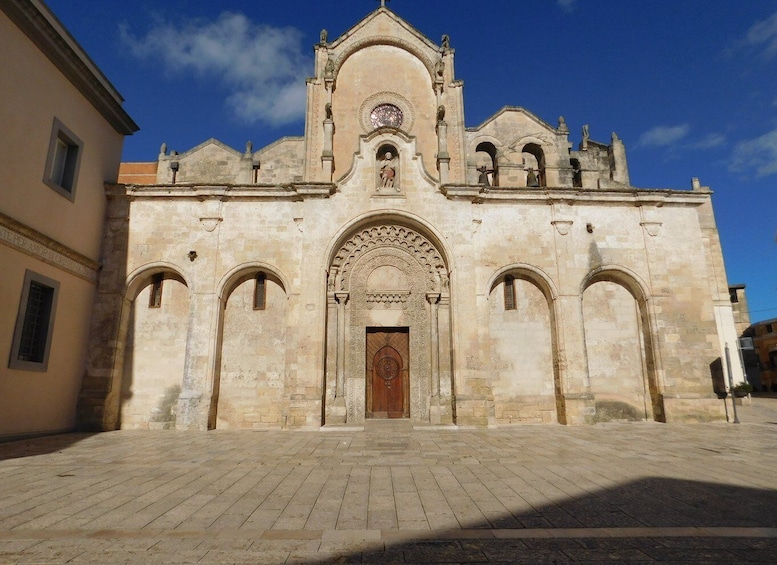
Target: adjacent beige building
<point x="63" y="130"/>
<point x="761" y="356"/>
<point x="394" y="263"/>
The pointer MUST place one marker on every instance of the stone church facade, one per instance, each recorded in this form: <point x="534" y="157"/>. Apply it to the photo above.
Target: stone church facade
<point x="393" y="263"/>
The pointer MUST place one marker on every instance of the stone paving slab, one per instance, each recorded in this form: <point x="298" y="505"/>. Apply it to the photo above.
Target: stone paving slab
<point x="610" y="493"/>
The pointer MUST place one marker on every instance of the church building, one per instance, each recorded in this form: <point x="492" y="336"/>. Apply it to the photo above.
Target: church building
<point x="393" y="262"/>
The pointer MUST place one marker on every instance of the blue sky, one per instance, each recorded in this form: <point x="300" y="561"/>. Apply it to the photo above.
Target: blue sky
<point x="690" y="86"/>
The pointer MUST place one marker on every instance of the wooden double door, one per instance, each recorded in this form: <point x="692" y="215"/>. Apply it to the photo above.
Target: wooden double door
<point x="388" y="373"/>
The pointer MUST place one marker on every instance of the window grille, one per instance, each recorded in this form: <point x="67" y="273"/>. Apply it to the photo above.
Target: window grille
<point x="260" y="292"/>
<point x="155" y="297"/>
<point x="509" y="292"/>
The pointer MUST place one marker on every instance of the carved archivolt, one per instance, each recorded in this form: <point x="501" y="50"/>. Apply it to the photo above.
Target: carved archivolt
<point x="385" y="40"/>
<point x="393" y="236"/>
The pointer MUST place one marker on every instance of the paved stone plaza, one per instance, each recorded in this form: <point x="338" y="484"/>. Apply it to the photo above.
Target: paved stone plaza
<point x="629" y="493"/>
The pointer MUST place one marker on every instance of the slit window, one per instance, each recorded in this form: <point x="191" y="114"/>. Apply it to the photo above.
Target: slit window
<point x="509" y="288"/>
<point x="260" y="292"/>
<point x="155" y="296"/>
<point x="34" y="323"/>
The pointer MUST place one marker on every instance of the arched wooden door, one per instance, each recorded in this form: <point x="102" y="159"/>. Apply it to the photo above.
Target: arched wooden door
<point x="387" y="374"/>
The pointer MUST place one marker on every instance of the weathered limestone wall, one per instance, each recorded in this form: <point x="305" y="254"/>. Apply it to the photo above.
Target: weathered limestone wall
<point x="613" y="342"/>
<point x="282" y="161"/>
<point x="252" y="375"/>
<point x="154" y="358"/>
<point x="504" y="363"/>
<point x="522" y="356"/>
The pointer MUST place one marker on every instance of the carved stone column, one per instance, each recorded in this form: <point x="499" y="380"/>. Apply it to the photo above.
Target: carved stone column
<point x="578" y="402"/>
<point x="330" y="376"/>
<point x="327" y="156"/>
<point x="447" y="400"/>
<point x="443" y="158"/>
<point x="342" y="300"/>
<point x="433" y="298"/>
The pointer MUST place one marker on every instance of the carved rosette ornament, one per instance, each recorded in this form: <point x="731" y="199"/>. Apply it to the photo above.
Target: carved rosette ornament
<point x="398" y="237"/>
<point x="388" y="369"/>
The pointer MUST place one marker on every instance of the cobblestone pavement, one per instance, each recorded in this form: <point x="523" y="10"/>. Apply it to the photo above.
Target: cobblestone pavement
<point x="610" y="493"/>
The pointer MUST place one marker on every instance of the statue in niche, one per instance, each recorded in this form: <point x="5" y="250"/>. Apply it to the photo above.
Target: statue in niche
<point x="388" y="172"/>
<point x="329" y="68"/>
<point x="328" y="111"/>
<point x="446" y="41"/>
<point x="324" y="36"/>
<point x="440" y="114"/>
<point x="439" y="69"/>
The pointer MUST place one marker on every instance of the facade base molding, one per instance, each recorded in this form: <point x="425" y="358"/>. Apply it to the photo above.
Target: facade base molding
<point x="693" y="407"/>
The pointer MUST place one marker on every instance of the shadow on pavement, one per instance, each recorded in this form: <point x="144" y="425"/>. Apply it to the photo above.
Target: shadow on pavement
<point x="564" y="532"/>
<point x="41" y="445"/>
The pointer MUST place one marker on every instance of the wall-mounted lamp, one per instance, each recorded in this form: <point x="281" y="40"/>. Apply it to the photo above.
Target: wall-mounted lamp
<point x="174" y="167"/>
<point x="192" y="255"/>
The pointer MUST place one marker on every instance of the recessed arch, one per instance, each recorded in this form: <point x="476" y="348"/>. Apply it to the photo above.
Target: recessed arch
<point x="524" y="351"/>
<point x="525" y="271"/>
<point x="241" y="273"/>
<point x="250" y="349"/>
<point x="141" y="276"/>
<point x="616" y="327"/>
<point x="412" y="299"/>
<point x="620" y="274"/>
<point x="148" y="374"/>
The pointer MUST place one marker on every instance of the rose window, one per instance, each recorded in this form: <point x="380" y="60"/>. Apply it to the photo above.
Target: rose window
<point x="386" y="115"/>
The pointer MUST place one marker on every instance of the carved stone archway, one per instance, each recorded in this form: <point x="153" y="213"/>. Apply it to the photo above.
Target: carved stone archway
<point x="388" y="276"/>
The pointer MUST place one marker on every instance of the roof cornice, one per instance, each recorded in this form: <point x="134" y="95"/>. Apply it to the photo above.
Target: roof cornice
<point x="48" y="34"/>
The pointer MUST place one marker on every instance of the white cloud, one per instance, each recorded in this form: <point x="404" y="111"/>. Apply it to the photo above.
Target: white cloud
<point x="660" y="136"/>
<point x="763" y="34"/>
<point x="262" y="67"/>
<point x="567" y="5"/>
<point x="709" y="141"/>
<point x="757" y="155"/>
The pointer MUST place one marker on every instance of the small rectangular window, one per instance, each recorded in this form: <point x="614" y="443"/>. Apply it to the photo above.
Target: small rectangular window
<point x="155" y="295"/>
<point x="34" y="323"/>
<point x="509" y="292"/>
<point x="260" y="292"/>
<point x="62" y="161"/>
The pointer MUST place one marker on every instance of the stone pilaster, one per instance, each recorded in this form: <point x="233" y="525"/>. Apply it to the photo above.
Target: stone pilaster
<point x="194" y="402"/>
